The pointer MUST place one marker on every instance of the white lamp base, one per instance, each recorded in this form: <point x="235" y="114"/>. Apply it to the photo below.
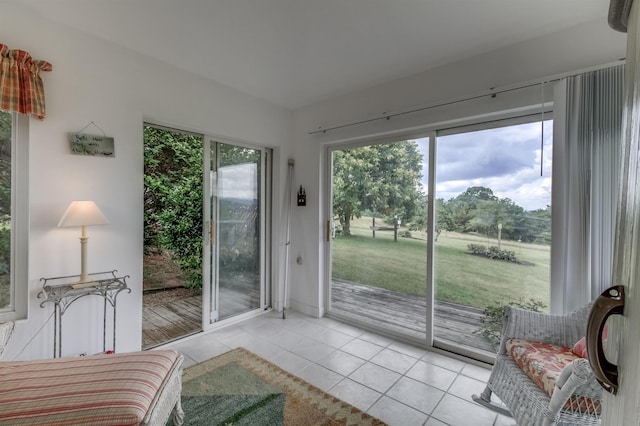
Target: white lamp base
<point x="84" y="276"/>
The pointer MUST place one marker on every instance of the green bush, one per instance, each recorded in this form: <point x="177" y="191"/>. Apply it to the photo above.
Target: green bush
<point x="173" y="198"/>
<point x="478" y="249"/>
<point x="492" y="320"/>
<point x="495" y="253"/>
<point x="181" y="229"/>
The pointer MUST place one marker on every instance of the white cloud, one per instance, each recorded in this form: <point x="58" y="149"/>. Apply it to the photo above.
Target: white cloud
<point x="238" y="181"/>
<point x="507" y="160"/>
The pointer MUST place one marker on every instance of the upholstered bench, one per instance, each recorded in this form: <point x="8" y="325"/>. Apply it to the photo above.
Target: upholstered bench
<point x="137" y="388"/>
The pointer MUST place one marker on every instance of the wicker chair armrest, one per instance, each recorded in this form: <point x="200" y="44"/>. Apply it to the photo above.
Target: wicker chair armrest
<point x="576" y="382"/>
<point x="563" y="330"/>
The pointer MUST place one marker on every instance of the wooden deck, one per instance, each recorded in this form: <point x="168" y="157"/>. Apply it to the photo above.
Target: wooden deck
<point x="397" y="311"/>
<point x="181" y="317"/>
<point x="171" y="321"/>
<point x="406" y="314"/>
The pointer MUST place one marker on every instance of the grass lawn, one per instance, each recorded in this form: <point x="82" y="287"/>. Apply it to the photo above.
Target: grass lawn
<point x="460" y="277"/>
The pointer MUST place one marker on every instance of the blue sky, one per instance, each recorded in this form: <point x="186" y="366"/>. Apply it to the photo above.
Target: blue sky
<point x="506" y="159"/>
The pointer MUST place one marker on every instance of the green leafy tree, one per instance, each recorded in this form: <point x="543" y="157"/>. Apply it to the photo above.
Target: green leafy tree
<point x="444" y="219"/>
<point x="5" y="208"/>
<point x="538" y="223"/>
<point x="384" y="179"/>
<point x="419" y="220"/>
<point x="173" y="193"/>
<point x="470" y="211"/>
<point x="478" y="210"/>
<point x="5" y="164"/>
<point x="173" y="197"/>
<point x="512" y="218"/>
<point x="350" y="186"/>
<point x="499" y="211"/>
<point x="475" y="194"/>
<point x="484" y="218"/>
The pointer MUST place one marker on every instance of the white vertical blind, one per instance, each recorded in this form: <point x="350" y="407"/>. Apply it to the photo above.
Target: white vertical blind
<point x="588" y="172"/>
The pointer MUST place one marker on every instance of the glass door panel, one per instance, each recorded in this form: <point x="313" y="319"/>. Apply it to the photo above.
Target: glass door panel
<point x="236" y="230"/>
<point x="378" y="236"/>
<point x="493" y="230"/>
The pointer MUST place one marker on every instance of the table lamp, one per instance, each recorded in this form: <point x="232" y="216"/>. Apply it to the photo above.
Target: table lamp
<point x="83" y="213"/>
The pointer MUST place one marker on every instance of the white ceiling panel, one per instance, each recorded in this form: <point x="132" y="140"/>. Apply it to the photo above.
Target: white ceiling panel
<point x="298" y="52"/>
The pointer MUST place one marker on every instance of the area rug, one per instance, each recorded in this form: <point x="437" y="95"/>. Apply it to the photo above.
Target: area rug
<point x="240" y="388"/>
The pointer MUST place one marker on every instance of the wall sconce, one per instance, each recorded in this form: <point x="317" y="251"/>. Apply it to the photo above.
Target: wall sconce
<point x="83" y="213"/>
<point x="302" y="196"/>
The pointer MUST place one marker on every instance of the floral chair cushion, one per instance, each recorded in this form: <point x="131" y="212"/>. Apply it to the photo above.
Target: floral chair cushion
<point x="542" y="362"/>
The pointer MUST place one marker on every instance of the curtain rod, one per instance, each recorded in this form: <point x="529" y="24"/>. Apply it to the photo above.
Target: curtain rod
<point x="490" y="93"/>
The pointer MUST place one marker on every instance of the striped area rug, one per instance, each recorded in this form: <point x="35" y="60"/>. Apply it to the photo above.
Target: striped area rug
<point x="241" y="388"/>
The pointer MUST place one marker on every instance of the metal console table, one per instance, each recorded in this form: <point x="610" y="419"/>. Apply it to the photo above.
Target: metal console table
<point x="63" y="291"/>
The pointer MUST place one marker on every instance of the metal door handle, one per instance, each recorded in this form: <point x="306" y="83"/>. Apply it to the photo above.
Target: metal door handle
<point x="212" y="232"/>
<point x="610" y="302"/>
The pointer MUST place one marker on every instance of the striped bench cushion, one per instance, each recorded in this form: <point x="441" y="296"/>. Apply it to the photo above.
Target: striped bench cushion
<point x="113" y="389"/>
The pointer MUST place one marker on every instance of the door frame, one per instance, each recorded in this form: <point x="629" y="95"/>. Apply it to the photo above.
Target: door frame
<point x="431" y="132"/>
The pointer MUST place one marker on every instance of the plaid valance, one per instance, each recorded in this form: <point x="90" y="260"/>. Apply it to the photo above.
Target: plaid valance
<point x="21" y="88"/>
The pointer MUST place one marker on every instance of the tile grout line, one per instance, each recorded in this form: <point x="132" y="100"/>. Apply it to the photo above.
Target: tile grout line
<point x="253" y="331"/>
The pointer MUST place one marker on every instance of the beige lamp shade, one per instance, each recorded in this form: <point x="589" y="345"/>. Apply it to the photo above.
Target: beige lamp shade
<point x="82" y="213"/>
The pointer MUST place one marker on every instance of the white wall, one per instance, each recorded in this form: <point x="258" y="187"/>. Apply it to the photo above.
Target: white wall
<point x="118" y="90"/>
<point x="577" y="48"/>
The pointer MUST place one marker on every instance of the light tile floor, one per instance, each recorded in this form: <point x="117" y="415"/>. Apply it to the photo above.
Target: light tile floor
<point x="398" y="383"/>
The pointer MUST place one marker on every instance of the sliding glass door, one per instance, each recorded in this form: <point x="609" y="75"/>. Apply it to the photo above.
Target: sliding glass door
<point x="207" y="208"/>
<point x="236" y="221"/>
<point x="430" y="237"/>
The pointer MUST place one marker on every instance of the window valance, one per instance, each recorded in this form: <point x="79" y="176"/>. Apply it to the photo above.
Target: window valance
<point x="21" y="88"/>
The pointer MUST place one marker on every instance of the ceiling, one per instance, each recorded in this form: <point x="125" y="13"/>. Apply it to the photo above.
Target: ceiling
<point x="298" y="52"/>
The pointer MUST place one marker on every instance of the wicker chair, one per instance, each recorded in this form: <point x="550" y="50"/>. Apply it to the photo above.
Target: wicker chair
<point x="526" y="402"/>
